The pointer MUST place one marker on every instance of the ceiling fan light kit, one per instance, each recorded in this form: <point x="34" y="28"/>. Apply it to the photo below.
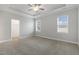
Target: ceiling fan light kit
<point x="35" y="7"/>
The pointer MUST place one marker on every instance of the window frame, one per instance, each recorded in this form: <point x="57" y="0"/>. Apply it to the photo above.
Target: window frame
<point x="38" y="21"/>
<point x="66" y="24"/>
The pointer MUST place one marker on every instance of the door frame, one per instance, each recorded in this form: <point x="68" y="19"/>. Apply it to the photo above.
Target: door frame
<point x="11" y="27"/>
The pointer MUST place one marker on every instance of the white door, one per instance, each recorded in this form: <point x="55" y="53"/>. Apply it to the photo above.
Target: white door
<point x="15" y="26"/>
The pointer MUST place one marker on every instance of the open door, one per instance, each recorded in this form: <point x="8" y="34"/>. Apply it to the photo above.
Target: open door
<point x="15" y="28"/>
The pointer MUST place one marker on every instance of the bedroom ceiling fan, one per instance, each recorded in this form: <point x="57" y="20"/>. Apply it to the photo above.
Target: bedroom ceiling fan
<point x="35" y="7"/>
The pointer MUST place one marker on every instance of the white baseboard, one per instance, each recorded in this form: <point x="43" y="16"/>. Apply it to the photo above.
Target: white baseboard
<point x="42" y="37"/>
<point x="57" y="39"/>
<point x="21" y="37"/>
<point x="5" y="41"/>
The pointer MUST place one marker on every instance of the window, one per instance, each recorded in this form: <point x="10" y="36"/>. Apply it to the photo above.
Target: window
<point x="62" y="24"/>
<point x="38" y="25"/>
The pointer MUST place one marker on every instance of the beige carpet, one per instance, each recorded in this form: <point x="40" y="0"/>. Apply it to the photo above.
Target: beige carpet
<point x="37" y="46"/>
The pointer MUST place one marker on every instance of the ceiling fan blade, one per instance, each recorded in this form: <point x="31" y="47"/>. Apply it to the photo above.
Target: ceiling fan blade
<point x="39" y="4"/>
<point x="30" y="5"/>
<point x="42" y="9"/>
<point x="29" y="9"/>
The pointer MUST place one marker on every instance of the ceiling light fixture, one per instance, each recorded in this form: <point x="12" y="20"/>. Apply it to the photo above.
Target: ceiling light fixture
<point x="35" y="8"/>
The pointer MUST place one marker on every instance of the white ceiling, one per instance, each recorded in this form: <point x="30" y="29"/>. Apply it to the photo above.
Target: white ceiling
<point x="23" y="8"/>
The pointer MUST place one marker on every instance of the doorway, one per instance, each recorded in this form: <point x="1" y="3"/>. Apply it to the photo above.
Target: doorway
<point x="15" y="28"/>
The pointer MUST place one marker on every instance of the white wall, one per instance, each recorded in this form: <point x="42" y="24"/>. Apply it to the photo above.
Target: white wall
<point x="26" y="25"/>
<point x="4" y="26"/>
<point x="49" y="26"/>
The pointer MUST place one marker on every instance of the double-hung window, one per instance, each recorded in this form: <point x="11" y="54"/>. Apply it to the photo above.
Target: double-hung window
<point x="62" y="24"/>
